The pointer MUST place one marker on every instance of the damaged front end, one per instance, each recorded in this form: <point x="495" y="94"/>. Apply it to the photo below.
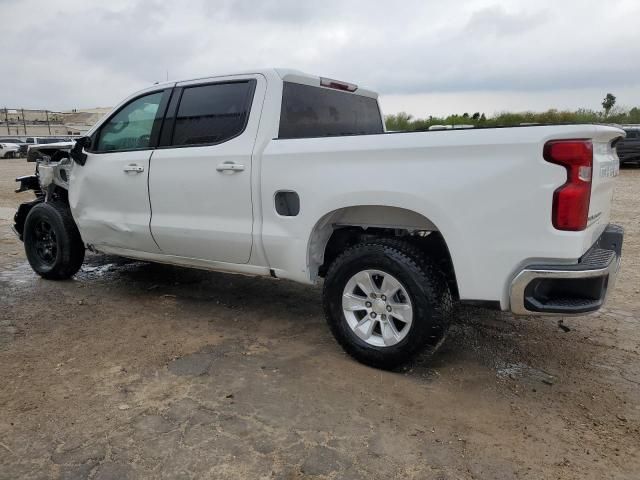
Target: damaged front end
<point x="50" y="181"/>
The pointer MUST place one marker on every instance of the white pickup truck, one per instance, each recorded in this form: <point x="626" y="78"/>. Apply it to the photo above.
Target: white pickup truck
<point x="9" y="150"/>
<point x="284" y="174"/>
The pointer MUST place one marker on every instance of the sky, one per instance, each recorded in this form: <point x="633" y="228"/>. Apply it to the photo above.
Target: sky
<point x="424" y="57"/>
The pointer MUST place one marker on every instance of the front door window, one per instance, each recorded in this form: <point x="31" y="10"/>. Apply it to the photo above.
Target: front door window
<point x="130" y="128"/>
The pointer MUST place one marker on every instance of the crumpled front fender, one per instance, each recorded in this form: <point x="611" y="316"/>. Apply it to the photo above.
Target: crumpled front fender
<point x="21" y="215"/>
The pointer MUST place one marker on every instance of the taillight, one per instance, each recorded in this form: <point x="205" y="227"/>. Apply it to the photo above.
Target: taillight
<point x="571" y="200"/>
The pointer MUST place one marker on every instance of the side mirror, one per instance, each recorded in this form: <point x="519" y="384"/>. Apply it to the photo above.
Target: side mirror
<point x="76" y="152"/>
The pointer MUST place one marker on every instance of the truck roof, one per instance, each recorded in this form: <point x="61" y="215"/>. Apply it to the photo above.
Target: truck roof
<point x="285" y="74"/>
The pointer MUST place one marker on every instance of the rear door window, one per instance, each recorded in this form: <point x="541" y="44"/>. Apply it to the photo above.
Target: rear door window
<point x="309" y="111"/>
<point x="213" y="113"/>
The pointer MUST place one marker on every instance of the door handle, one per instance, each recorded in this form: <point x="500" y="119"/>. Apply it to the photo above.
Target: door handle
<point x="230" y="167"/>
<point x="132" y="167"/>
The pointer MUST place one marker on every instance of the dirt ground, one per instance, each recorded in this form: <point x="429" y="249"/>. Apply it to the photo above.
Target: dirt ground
<point x="135" y="370"/>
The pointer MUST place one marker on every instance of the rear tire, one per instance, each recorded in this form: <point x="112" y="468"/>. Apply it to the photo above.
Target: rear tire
<point x="405" y="288"/>
<point x="52" y="241"/>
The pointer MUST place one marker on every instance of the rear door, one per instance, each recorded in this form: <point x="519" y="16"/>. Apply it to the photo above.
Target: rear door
<point x="200" y="177"/>
<point x="109" y="195"/>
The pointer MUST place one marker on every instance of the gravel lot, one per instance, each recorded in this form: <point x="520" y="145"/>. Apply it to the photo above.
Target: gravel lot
<point x="135" y="370"/>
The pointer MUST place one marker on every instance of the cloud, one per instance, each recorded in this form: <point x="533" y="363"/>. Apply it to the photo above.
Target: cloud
<point x="497" y="21"/>
<point x="77" y="53"/>
<point x="270" y="11"/>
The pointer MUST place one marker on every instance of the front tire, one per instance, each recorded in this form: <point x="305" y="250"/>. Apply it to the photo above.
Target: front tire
<point x="385" y="303"/>
<point x="52" y="241"/>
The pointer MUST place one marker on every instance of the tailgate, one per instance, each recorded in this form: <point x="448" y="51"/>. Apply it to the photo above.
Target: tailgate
<point x="606" y="167"/>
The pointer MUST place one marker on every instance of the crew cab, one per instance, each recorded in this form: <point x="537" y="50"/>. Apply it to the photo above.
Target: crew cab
<point x="283" y="174"/>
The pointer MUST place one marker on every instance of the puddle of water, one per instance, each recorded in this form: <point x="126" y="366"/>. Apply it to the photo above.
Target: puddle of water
<point x="98" y="270"/>
<point x="21" y="273"/>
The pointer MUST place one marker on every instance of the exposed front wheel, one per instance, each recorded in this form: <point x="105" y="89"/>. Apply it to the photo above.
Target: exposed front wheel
<point x="386" y="303"/>
<point x="52" y="241"/>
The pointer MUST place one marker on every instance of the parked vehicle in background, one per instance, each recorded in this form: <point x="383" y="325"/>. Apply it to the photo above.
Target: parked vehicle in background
<point x="628" y="148"/>
<point x="9" y="150"/>
<point x="28" y="142"/>
<point x="44" y="140"/>
<point x="283" y="174"/>
<point x="22" y="151"/>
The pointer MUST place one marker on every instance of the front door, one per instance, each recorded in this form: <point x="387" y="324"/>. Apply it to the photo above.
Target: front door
<point x="200" y="177"/>
<point x="109" y="194"/>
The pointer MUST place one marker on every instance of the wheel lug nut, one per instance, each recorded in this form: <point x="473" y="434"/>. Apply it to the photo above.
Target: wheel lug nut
<point x="388" y="308"/>
<point x="383" y="298"/>
<point x="368" y="304"/>
<point x="373" y="315"/>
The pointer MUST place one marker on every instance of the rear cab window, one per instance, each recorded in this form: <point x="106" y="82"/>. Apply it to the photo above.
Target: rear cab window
<point x="310" y="111"/>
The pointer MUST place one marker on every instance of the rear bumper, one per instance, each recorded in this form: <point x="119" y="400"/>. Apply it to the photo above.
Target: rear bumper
<point x="570" y="289"/>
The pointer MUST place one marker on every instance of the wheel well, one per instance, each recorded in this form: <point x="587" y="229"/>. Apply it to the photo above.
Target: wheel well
<point x="340" y="230"/>
<point x="58" y="194"/>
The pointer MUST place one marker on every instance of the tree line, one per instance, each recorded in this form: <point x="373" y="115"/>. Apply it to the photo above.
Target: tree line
<point x="610" y="113"/>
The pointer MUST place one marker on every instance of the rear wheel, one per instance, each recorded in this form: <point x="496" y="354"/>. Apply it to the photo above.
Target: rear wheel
<point x="386" y="303"/>
<point x="52" y="241"/>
